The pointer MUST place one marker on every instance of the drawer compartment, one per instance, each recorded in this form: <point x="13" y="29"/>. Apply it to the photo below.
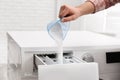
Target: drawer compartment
<point x="72" y="68"/>
<point x="50" y="59"/>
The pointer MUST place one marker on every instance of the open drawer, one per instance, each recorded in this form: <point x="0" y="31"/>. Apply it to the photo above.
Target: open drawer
<point x="50" y="59"/>
<point x="72" y="69"/>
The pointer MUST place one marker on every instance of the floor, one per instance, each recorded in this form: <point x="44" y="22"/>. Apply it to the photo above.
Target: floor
<point x="14" y="74"/>
<point x="3" y="72"/>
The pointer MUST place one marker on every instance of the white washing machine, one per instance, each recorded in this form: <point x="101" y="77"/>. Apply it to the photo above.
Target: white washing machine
<point x="32" y="55"/>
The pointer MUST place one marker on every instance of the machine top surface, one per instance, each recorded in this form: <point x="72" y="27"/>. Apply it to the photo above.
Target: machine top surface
<point x="73" y="39"/>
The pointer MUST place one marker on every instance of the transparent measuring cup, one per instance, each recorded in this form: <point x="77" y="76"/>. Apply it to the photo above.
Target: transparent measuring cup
<point x="58" y="29"/>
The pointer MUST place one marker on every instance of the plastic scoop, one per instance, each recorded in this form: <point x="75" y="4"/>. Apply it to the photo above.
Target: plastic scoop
<point x="58" y="30"/>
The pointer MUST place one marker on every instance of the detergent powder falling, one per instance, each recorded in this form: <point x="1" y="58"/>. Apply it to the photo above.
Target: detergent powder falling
<point x="58" y="30"/>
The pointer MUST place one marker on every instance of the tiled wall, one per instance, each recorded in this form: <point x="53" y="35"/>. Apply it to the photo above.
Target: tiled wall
<point x="95" y="22"/>
<point x="107" y="21"/>
<point x="113" y="20"/>
<point x="26" y="14"/>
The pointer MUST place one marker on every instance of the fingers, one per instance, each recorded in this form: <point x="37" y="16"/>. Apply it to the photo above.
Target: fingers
<point x="61" y="9"/>
<point x="68" y="13"/>
<point x="69" y="18"/>
<point x="64" y="11"/>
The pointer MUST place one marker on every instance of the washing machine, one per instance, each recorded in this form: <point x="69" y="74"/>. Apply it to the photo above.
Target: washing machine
<point x="33" y="55"/>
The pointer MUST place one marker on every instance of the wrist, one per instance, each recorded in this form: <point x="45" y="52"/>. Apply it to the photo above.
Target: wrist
<point x="86" y="8"/>
<point x="80" y="10"/>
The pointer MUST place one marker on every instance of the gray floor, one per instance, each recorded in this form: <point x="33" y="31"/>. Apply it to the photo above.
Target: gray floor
<point x="3" y="72"/>
<point x="14" y="74"/>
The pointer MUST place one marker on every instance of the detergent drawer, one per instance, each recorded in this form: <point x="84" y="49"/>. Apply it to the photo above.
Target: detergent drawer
<point x="75" y="71"/>
<point x="72" y="68"/>
<point x="51" y="59"/>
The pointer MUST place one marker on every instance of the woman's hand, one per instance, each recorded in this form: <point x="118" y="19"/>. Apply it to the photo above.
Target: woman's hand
<point x="69" y="13"/>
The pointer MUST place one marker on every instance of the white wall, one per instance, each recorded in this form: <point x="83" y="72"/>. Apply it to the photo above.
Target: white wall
<point x="26" y="14"/>
<point x="113" y="20"/>
<point x="95" y="22"/>
<point x="107" y="21"/>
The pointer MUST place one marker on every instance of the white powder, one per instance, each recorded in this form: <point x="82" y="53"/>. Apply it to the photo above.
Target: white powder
<point x="57" y="34"/>
<point x="60" y="54"/>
